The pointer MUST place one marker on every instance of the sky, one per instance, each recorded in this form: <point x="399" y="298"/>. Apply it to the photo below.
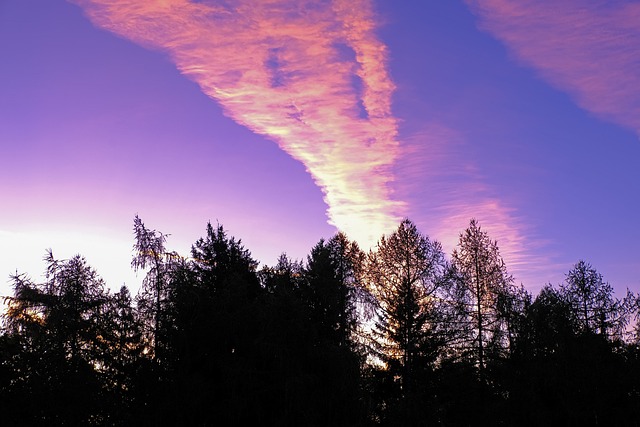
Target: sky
<point x="286" y="121"/>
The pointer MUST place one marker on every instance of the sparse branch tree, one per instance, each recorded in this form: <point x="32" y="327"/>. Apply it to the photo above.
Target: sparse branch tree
<point x="592" y="303"/>
<point x="484" y="292"/>
<point x="406" y="273"/>
<point x="150" y="254"/>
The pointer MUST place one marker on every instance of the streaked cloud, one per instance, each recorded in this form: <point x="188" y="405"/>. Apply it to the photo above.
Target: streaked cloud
<point x="310" y="75"/>
<point x="588" y="48"/>
<point x="449" y="189"/>
<point x="518" y="246"/>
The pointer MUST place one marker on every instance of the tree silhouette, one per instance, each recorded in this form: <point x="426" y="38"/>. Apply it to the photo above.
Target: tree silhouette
<point x="407" y="275"/>
<point x="150" y="253"/>
<point x="59" y="329"/>
<point x="122" y="357"/>
<point x="216" y="322"/>
<point x="591" y="299"/>
<point x="564" y="374"/>
<point x="330" y="292"/>
<point x="288" y="342"/>
<point x="484" y="287"/>
<point x="396" y="337"/>
<point x="331" y="289"/>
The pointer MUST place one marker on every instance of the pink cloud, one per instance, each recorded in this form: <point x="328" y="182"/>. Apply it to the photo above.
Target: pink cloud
<point x="286" y="70"/>
<point x="590" y="49"/>
<point x="518" y="248"/>
<point x="449" y="190"/>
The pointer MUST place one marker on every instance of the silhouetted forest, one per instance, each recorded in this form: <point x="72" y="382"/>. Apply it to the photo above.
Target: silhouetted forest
<point x="401" y="336"/>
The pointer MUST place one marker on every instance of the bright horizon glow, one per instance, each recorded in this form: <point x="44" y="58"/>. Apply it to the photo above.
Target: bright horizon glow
<point x="28" y="250"/>
<point x="285" y="121"/>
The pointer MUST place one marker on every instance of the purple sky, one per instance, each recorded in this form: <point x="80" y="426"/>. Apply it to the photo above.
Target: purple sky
<point x="283" y="120"/>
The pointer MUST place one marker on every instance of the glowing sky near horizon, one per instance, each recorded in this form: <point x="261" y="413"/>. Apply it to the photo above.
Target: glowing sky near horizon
<point x="287" y="120"/>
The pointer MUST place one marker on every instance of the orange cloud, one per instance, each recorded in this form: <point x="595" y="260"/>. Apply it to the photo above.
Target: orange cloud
<point x="309" y="75"/>
<point x="590" y="49"/>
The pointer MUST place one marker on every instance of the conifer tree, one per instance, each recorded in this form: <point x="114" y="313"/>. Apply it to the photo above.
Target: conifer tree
<point x="593" y="304"/>
<point x="483" y="288"/>
<point x="407" y="275"/>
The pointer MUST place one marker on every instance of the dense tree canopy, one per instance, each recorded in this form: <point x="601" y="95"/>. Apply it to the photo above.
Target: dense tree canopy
<point x="399" y="336"/>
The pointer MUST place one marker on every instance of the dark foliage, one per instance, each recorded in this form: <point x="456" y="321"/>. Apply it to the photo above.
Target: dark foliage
<point x="396" y="337"/>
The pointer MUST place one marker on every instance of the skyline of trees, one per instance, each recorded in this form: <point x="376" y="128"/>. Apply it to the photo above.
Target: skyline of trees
<point x="400" y="335"/>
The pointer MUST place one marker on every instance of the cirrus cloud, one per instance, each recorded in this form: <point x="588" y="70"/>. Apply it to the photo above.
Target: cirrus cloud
<point x="588" y="48"/>
<point x="309" y="75"/>
<point x="449" y="189"/>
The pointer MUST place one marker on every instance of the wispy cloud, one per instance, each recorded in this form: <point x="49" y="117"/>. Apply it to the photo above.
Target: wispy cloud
<point x="448" y="190"/>
<point x="526" y="256"/>
<point x="310" y="75"/>
<point x="590" y="49"/>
